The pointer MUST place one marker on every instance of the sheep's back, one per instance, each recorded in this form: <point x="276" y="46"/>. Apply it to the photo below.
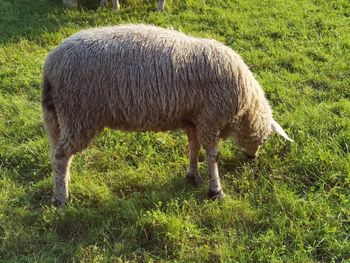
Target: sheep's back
<point x="143" y="76"/>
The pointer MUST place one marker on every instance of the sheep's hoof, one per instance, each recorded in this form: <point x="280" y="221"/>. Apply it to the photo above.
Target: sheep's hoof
<point x="251" y="157"/>
<point x="194" y="178"/>
<point x="216" y="194"/>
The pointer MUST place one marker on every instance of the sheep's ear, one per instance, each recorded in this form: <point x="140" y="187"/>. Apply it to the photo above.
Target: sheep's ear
<point x="277" y="128"/>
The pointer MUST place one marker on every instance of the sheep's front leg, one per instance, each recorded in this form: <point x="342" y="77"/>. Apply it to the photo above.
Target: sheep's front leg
<point x="161" y="4"/>
<point x="116" y="5"/>
<point x="193" y="144"/>
<point x="215" y="189"/>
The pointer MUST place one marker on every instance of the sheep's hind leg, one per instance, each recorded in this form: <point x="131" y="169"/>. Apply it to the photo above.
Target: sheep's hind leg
<point x="61" y="161"/>
<point x="116" y="5"/>
<point x="161" y="4"/>
<point x="70" y="3"/>
<point x="103" y="3"/>
<point x="193" y="175"/>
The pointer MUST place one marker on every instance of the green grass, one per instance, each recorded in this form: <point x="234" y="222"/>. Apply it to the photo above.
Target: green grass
<point x="129" y="199"/>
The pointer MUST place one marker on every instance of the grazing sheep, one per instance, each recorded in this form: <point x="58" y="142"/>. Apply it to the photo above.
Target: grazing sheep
<point x="146" y="78"/>
<point x="115" y="4"/>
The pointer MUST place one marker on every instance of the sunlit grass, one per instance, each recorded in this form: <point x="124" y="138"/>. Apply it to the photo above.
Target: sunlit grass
<point x="129" y="198"/>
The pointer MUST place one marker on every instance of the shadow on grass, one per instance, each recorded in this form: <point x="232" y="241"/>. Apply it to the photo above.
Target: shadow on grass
<point x="26" y="18"/>
<point x="88" y="220"/>
<point x="108" y="221"/>
<point x="29" y="19"/>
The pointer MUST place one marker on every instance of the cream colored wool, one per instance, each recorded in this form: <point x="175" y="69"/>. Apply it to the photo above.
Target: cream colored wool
<point x="146" y="78"/>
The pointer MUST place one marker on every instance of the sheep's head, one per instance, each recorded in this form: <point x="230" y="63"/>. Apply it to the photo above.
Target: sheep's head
<point x="254" y="122"/>
<point x="250" y="143"/>
<point x="251" y="136"/>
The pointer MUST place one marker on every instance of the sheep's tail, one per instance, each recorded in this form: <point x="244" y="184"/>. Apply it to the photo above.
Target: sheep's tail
<point x="50" y="115"/>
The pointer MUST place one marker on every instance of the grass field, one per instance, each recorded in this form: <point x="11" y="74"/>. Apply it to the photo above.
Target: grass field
<point x="129" y="200"/>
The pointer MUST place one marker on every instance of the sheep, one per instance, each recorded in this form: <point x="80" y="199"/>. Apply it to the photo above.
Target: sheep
<point x="146" y="78"/>
<point x="115" y="4"/>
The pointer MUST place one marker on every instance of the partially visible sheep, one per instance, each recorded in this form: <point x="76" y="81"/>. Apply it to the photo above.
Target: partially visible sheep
<point x="146" y="78"/>
<point x="115" y="4"/>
